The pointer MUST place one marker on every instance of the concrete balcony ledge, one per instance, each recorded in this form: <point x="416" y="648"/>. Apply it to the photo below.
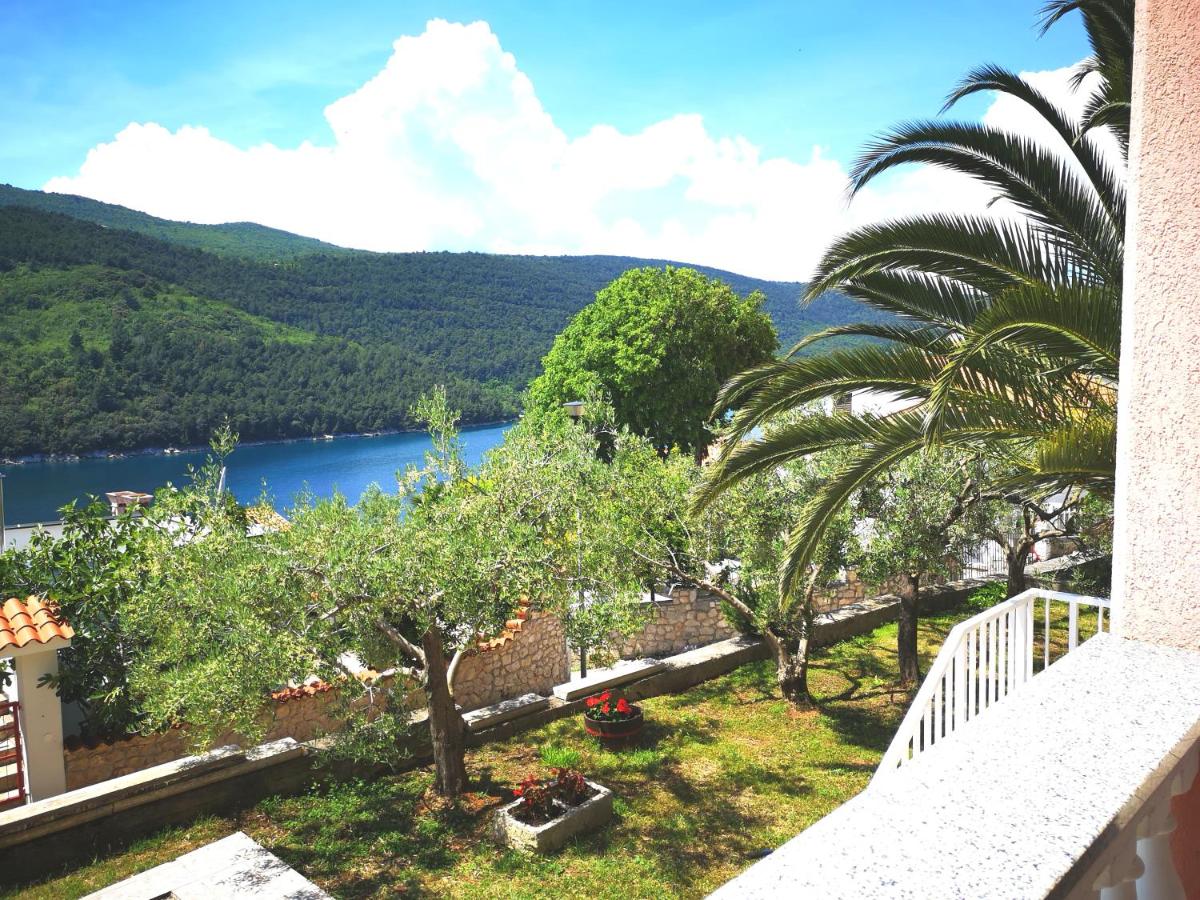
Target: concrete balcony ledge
<point x="1031" y="800"/>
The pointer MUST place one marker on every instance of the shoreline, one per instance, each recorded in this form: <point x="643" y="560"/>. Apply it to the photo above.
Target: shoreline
<point x="36" y="458"/>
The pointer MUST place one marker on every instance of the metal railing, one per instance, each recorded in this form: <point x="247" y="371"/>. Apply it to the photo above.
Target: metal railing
<point x="984" y="659"/>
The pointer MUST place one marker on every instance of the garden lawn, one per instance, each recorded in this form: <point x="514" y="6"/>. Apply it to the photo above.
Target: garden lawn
<point x="723" y="772"/>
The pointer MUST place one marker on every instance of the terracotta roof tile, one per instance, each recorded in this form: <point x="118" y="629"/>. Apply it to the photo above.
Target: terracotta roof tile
<point x="23" y="622"/>
<point x="266" y="518"/>
<point x="299" y="692"/>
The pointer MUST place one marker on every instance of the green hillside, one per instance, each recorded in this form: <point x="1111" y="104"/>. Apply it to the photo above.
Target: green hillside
<point x="233" y="238"/>
<point x="117" y="340"/>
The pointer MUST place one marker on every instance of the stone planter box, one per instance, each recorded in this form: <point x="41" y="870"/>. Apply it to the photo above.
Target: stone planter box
<point x="588" y="816"/>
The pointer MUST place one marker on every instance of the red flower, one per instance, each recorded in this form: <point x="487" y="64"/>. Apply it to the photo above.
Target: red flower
<point x="517" y="792"/>
<point x="622" y="705"/>
<point x="605" y="696"/>
<point x="604" y="709"/>
<point x="592" y="701"/>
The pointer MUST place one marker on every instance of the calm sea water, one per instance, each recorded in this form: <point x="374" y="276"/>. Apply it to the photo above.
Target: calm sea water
<point x="33" y="492"/>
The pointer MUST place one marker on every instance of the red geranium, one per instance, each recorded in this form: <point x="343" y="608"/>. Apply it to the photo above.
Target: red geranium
<point x="610" y="706"/>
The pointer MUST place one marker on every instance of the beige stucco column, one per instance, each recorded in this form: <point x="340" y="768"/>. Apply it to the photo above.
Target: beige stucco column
<point x="1156" y="562"/>
<point x="41" y="721"/>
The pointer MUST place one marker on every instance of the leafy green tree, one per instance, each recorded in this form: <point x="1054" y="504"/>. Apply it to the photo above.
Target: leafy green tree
<point x="735" y="548"/>
<point x="918" y="528"/>
<point x="658" y="343"/>
<point x="401" y="581"/>
<point x="1010" y="332"/>
<point x="92" y="571"/>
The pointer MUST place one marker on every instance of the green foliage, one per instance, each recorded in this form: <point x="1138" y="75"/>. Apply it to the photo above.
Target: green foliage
<point x="751" y="524"/>
<point x="658" y="343"/>
<point x="986" y="596"/>
<point x="911" y="509"/>
<point x="226" y="617"/>
<point x="172" y="339"/>
<point x="1011" y="329"/>
<point x="93" y="571"/>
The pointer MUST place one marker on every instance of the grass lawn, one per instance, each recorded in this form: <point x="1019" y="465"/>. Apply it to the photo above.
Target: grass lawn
<point x="723" y="772"/>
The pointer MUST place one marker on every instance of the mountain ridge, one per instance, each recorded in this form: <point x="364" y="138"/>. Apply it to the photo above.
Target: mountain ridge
<point x="366" y="333"/>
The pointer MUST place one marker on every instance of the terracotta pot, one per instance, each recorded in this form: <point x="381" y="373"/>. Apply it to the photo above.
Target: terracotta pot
<point x="614" y="732"/>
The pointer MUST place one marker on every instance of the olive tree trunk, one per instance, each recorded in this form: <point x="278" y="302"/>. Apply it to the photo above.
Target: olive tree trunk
<point x="791" y="669"/>
<point x="906" y="633"/>
<point x="1016" y="566"/>
<point x="446" y="726"/>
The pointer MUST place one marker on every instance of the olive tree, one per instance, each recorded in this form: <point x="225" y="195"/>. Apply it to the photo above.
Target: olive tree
<point x="408" y="580"/>
<point x="918" y="526"/>
<point x="733" y="549"/>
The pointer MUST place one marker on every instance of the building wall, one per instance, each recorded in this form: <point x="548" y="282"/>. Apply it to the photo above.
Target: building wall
<point x="1157" y="530"/>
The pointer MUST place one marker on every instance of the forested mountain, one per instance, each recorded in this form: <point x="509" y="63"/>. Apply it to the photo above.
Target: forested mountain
<point x="116" y="339"/>
<point x="232" y="239"/>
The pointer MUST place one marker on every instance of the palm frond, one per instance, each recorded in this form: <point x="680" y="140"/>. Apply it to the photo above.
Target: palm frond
<point x="1109" y="183"/>
<point x="1038" y="181"/>
<point x="985" y="254"/>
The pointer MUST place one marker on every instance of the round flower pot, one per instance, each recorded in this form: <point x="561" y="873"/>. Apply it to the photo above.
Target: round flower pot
<point x="614" y="732"/>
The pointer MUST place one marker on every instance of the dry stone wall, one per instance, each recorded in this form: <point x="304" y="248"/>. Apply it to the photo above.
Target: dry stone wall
<point x="304" y="714"/>
<point x="840" y="594"/>
<point x="675" y="623"/>
<point x="531" y="655"/>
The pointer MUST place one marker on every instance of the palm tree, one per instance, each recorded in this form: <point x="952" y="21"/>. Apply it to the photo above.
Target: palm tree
<point x="1008" y="328"/>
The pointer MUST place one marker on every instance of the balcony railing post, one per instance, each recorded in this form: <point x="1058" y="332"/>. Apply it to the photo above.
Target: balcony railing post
<point x="1118" y="881"/>
<point x="960" y="685"/>
<point x="983" y="659"/>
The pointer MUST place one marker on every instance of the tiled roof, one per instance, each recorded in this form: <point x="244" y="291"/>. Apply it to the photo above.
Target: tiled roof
<point x="262" y="518"/>
<point x="299" y="692"/>
<point x="24" y="622"/>
<point x="511" y="629"/>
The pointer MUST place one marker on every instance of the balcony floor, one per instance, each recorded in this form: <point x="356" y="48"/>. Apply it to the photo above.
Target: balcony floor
<point x="1019" y="803"/>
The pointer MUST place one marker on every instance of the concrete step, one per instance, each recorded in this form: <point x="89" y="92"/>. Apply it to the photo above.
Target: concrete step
<point x="487" y="716"/>
<point x="622" y="673"/>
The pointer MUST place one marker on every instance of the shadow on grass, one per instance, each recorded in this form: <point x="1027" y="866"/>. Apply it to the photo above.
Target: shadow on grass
<point x="359" y="838"/>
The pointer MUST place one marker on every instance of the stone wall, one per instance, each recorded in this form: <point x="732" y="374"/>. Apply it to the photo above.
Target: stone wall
<point x="530" y="655"/>
<point x="684" y="620"/>
<point x="840" y="594"/>
<point x="301" y="713"/>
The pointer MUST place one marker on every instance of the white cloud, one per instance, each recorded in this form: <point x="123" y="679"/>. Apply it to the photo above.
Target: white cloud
<point x="448" y="147"/>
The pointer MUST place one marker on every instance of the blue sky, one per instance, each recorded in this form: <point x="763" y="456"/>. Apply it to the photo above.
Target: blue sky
<point x="785" y="77"/>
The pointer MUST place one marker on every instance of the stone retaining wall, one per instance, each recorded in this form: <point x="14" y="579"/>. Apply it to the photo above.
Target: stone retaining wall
<point x="675" y="623"/>
<point x="304" y="715"/>
<point x="840" y="594"/>
<point x="531" y="656"/>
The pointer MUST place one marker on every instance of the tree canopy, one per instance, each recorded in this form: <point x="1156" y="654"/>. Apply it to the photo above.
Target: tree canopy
<point x="1010" y="328"/>
<point x="658" y="344"/>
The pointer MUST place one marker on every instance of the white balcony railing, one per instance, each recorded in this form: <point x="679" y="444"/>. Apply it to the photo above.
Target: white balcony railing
<point x="986" y="658"/>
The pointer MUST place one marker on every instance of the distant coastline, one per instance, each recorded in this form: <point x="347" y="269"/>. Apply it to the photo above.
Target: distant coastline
<point x="200" y="448"/>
